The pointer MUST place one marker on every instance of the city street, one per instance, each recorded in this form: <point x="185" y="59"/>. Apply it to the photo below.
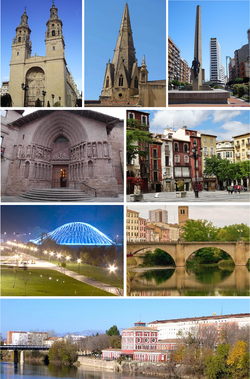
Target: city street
<point x="210" y="196"/>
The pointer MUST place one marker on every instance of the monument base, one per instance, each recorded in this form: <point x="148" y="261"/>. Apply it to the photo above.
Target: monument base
<point x="198" y="97"/>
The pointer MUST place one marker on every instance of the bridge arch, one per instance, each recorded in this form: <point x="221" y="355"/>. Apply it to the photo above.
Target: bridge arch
<point x="180" y="251"/>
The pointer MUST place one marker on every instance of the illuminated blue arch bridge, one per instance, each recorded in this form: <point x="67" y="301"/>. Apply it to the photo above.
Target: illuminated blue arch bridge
<point x="76" y="233"/>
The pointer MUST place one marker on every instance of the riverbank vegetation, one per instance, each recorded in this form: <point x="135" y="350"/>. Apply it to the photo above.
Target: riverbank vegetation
<point x="63" y="352"/>
<point x="213" y="353"/>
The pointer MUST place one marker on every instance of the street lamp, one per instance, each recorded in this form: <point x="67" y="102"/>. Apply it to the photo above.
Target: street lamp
<point x="240" y="231"/>
<point x="44" y="94"/>
<point x="53" y="96"/>
<point x="25" y="88"/>
<point x="195" y="156"/>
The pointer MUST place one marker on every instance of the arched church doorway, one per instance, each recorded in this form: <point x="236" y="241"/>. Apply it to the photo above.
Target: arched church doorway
<point x="60" y="176"/>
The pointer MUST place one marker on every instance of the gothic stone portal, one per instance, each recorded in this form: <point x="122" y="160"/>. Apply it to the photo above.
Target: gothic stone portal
<point x="61" y="149"/>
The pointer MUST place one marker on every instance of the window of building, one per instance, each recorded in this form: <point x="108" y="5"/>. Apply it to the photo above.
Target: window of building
<point x="54" y="47"/>
<point x="243" y="142"/>
<point x="204" y="139"/>
<point x="120" y="81"/>
<point x="155" y="153"/>
<point x="176" y="146"/>
<point x="144" y="119"/>
<point x="155" y="166"/>
<point x="53" y="33"/>
<point x="177" y="159"/>
<point x="155" y="176"/>
<point x="211" y="151"/>
<point x="107" y="82"/>
<point x="136" y="82"/>
<point x="185" y="147"/>
<point x="166" y="160"/>
<point x="131" y="115"/>
<point x="186" y="159"/>
<point x="211" y="140"/>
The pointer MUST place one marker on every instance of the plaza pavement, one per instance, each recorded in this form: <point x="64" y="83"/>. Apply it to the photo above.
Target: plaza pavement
<point x="16" y="199"/>
<point x="39" y="263"/>
<point x="204" y="196"/>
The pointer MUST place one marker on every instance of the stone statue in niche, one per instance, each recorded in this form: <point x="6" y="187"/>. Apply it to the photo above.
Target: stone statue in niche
<point x="89" y="150"/>
<point x="106" y="153"/>
<point x="94" y="150"/>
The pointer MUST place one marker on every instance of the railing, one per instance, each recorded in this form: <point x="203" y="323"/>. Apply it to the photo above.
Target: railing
<point x="90" y="188"/>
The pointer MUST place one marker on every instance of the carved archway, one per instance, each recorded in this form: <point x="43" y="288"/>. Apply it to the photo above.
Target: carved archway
<point x="35" y="79"/>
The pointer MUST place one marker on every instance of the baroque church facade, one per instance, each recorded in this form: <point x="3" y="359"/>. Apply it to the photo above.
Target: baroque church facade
<point x="35" y="77"/>
<point x="77" y="149"/>
<point x="126" y="83"/>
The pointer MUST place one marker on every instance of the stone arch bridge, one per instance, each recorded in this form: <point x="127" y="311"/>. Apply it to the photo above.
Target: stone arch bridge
<point x="181" y="251"/>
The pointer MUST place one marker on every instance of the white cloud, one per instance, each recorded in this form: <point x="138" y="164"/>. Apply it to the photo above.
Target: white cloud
<point x="225" y="115"/>
<point x="178" y="118"/>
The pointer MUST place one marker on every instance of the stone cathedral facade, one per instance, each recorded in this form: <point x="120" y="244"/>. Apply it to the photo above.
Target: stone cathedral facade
<point x="35" y="77"/>
<point x="62" y="148"/>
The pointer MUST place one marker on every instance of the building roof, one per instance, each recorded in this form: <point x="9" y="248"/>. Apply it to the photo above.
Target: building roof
<point x="145" y="328"/>
<point x="210" y="135"/>
<point x="240" y="135"/>
<point x="129" y="210"/>
<point x="215" y="317"/>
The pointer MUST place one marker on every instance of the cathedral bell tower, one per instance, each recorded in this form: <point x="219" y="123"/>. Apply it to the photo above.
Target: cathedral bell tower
<point x="21" y="47"/>
<point x="54" y="39"/>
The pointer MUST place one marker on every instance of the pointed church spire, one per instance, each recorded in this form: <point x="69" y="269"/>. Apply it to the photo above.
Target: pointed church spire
<point x="125" y="51"/>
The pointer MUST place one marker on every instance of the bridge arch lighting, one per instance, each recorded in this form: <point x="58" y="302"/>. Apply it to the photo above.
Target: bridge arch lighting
<point x="77" y="233"/>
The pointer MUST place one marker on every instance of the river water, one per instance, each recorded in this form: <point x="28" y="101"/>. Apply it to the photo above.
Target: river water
<point x="38" y="371"/>
<point x="180" y="281"/>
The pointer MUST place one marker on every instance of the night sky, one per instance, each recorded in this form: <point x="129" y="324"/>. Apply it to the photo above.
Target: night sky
<point x="36" y="219"/>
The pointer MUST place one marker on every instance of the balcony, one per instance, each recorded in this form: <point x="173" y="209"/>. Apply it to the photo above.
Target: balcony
<point x="237" y="146"/>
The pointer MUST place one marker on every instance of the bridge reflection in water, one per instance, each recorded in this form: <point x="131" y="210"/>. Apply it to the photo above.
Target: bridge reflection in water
<point x="181" y="281"/>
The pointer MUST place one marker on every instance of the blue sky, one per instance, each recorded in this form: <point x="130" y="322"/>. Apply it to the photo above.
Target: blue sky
<point x="38" y="14"/>
<point x="227" y="20"/>
<point x="102" y="24"/>
<point x="89" y="315"/>
<point x="222" y="123"/>
<point x="45" y="218"/>
<point x="219" y="215"/>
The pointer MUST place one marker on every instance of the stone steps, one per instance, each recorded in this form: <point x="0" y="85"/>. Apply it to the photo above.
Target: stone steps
<point x="55" y="194"/>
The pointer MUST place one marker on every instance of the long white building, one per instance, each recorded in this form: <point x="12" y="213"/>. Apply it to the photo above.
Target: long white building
<point x="168" y="329"/>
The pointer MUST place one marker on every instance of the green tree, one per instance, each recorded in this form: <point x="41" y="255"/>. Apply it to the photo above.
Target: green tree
<point x="216" y="365"/>
<point x="232" y="232"/>
<point x="199" y="230"/>
<point x="63" y="352"/>
<point x="6" y="100"/>
<point x="137" y="134"/>
<point x="113" y="331"/>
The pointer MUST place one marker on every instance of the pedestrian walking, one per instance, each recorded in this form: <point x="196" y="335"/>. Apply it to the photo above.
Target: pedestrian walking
<point x="239" y="188"/>
<point x="228" y="189"/>
<point x="235" y="188"/>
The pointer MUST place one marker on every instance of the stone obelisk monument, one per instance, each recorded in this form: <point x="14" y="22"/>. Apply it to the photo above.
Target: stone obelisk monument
<point x="197" y="81"/>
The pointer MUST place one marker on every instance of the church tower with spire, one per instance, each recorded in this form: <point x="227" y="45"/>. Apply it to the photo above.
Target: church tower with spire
<point x="121" y="80"/>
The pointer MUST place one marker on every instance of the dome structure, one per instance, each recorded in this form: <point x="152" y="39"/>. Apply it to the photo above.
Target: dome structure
<point x="76" y="233"/>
